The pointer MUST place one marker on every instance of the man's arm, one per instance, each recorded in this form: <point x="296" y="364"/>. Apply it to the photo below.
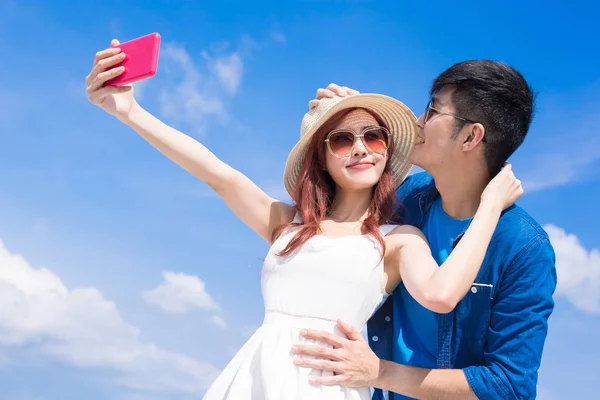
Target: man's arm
<point x="355" y="365"/>
<point x="423" y="383"/>
<point x="514" y="344"/>
<point x="515" y="339"/>
<point x="518" y="326"/>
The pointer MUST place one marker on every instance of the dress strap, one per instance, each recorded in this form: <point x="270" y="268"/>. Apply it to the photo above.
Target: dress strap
<point x="297" y="218"/>
<point x="387" y="228"/>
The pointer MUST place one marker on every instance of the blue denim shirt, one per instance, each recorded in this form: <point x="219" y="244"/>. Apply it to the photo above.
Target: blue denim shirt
<point x="496" y="333"/>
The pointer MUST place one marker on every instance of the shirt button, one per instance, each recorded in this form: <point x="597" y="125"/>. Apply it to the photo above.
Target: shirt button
<point x="387" y="319"/>
<point x="473" y="289"/>
<point x="375" y="338"/>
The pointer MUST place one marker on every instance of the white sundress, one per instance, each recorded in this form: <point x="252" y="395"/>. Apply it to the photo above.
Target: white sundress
<point x="324" y="280"/>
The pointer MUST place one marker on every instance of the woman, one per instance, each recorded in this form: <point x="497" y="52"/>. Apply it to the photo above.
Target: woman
<point x="333" y="254"/>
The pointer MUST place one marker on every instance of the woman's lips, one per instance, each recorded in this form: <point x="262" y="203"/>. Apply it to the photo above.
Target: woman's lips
<point x="361" y="165"/>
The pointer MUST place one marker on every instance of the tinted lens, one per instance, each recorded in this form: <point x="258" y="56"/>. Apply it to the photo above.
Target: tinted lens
<point x="376" y="139"/>
<point x="341" y="142"/>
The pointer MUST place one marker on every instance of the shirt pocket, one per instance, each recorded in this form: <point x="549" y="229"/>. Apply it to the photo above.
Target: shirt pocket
<point x="477" y="309"/>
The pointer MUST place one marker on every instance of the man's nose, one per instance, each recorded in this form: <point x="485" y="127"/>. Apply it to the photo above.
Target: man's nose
<point x="421" y="121"/>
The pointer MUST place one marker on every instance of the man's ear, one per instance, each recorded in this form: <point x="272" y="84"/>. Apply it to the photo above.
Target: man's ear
<point x="473" y="137"/>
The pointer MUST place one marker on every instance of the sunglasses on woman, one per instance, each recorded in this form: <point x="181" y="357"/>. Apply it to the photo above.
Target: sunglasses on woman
<point x="340" y="142"/>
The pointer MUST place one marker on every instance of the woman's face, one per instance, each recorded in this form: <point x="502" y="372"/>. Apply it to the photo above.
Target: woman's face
<point x="350" y="163"/>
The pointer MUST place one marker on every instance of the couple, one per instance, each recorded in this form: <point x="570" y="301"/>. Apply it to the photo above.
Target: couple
<point x="453" y="281"/>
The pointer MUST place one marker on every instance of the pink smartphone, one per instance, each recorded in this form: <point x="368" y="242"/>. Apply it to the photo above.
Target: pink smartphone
<point x="141" y="60"/>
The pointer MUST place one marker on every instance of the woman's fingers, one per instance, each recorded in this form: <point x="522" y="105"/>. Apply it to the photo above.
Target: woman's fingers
<point x="105" y="63"/>
<point x="105" y="76"/>
<point x="102" y="54"/>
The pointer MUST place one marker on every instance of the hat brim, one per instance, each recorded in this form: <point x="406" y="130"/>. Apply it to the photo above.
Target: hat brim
<point x="398" y="118"/>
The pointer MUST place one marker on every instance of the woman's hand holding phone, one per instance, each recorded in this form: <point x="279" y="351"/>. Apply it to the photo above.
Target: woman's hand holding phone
<point x="115" y="100"/>
<point x="115" y="68"/>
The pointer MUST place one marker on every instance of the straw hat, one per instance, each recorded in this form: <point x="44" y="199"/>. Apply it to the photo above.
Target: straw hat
<point x="398" y="118"/>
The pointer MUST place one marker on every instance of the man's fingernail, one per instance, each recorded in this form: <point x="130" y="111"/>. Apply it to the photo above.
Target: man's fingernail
<point x="303" y="332"/>
<point x="294" y="348"/>
<point x="312" y="381"/>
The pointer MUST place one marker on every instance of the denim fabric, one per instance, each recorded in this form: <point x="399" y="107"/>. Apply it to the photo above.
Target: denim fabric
<point x="496" y="333"/>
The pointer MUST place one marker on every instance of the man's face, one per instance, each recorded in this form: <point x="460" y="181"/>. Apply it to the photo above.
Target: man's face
<point x="436" y="145"/>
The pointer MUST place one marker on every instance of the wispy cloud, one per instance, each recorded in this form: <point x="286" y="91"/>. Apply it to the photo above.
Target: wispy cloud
<point x="578" y="270"/>
<point x="189" y="96"/>
<point x="278" y="36"/>
<point x="178" y="293"/>
<point x="218" y="321"/>
<point x="195" y="91"/>
<point x="41" y="317"/>
<point x="565" y="147"/>
<point x="573" y="163"/>
<point x="228" y="70"/>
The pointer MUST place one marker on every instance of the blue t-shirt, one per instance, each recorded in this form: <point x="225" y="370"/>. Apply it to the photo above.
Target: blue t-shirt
<point x="416" y="327"/>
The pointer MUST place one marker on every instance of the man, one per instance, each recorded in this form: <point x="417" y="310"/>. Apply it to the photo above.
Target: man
<point x="490" y="346"/>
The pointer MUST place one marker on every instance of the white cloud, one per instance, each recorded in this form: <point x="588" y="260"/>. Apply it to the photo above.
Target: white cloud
<point x="41" y="317"/>
<point x="195" y="92"/>
<point x="189" y="96"/>
<point x="229" y="71"/>
<point x="578" y="270"/>
<point x="180" y="292"/>
<point x="562" y="167"/>
<point x="278" y="36"/>
<point x="218" y="321"/>
<point x="566" y="148"/>
<point x="247" y="45"/>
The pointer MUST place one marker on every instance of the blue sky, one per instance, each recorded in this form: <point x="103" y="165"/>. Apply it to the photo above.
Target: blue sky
<point x="121" y="277"/>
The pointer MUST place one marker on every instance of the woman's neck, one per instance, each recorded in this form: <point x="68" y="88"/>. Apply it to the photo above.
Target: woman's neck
<point x="351" y="206"/>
